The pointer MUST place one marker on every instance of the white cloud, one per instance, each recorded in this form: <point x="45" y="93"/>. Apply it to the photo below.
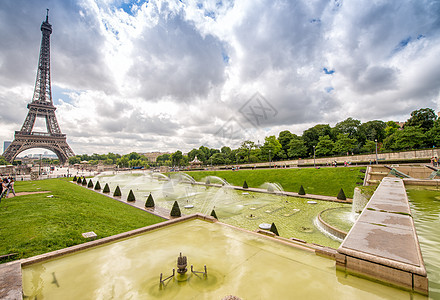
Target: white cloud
<point x="168" y="75"/>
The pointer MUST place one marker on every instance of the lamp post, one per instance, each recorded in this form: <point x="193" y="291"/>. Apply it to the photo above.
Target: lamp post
<point x="314" y="161"/>
<point x="376" y="151"/>
<point x="39" y="169"/>
<point x="269" y="160"/>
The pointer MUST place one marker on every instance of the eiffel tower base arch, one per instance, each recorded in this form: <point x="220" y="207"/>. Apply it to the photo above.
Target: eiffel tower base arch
<point x="55" y="143"/>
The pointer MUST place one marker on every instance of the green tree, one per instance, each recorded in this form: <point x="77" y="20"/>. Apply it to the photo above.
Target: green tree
<point x="348" y="126"/>
<point x="245" y="149"/>
<point x="344" y="144"/>
<point x="108" y="161"/>
<point x="271" y="147"/>
<point x="284" y="138"/>
<point x="433" y="135"/>
<point x="117" y="192"/>
<point x="391" y="127"/>
<point x="150" y="201"/>
<point x="218" y="159"/>
<point x="423" y="118"/>
<point x="106" y="188"/>
<point x="325" y="146"/>
<point x="164" y="160"/>
<point x="297" y="148"/>
<point x="409" y="137"/>
<point x="74" y="160"/>
<point x="97" y="186"/>
<point x="133" y="155"/>
<point x="225" y="150"/>
<point x="3" y="161"/>
<point x="311" y="135"/>
<point x="131" y="196"/>
<point x="176" y="157"/>
<point x="373" y="130"/>
<point x="369" y="146"/>
<point x="123" y="162"/>
<point x="175" y="211"/>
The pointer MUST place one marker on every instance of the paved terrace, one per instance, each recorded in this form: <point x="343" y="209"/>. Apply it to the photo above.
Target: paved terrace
<point x="383" y="242"/>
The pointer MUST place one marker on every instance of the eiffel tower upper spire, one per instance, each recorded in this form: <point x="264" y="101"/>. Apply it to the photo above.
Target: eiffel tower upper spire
<point x="43" y="91"/>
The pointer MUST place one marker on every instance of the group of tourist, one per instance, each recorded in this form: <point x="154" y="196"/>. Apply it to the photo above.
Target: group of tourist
<point x="7" y="185"/>
<point x="434" y="161"/>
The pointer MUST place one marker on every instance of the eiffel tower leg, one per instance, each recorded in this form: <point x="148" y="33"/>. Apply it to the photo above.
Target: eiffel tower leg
<point x="12" y="151"/>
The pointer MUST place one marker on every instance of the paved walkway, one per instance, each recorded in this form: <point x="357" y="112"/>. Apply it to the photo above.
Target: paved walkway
<point x="383" y="242"/>
<point x="10" y="281"/>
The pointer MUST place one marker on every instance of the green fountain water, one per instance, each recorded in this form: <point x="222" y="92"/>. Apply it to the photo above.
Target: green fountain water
<point x="246" y="265"/>
<point x="294" y="217"/>
<point x="425" y="209"/>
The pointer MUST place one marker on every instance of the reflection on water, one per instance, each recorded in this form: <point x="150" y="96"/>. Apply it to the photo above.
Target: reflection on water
<point x="425" y="209"/>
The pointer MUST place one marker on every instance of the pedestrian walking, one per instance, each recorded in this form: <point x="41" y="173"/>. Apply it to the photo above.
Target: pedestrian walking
<point x="10" y="187"/>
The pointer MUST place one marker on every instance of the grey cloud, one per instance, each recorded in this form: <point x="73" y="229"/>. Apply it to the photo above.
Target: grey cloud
<point x="173" y="59"/>
<point x="376" y="79"/>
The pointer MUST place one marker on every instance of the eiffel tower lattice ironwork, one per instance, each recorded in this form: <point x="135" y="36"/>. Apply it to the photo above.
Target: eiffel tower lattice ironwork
<point x="41" y="106"/>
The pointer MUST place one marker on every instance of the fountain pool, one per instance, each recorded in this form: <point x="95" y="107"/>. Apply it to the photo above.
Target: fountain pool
<point x="294" y="217"/>
<point x="425" y="209"/>
<point x="244" y="264"/>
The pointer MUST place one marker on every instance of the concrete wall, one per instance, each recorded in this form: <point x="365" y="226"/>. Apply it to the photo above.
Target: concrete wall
<point x="414" y="154"/>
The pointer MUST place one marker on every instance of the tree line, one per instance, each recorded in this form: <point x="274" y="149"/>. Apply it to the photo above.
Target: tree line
<point x="350" y="136"/>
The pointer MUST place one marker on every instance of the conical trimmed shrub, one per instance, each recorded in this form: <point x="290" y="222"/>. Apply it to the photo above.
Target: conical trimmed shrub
<point x="97" y="186"/>
<point x="74" y="178"/>
<point x="131" y="196"/>
<point x="84" y="181"/>
<point x="90" y="185"/>
<point x="245" y="186"/>
<point x="175" y="211"/>
<point x="301" y="191"/>
<point x="274" y="229"/>
<point x="79" y="180"/>
<point x="213" y="214"/>
<point x="106" y="189"/>
<point x="341" y="195"/>
<point x="117" y="192"/>
<point x="150" y="201"/>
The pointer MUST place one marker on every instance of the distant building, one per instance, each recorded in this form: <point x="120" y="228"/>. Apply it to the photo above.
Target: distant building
<point x="6" y="145"/>
<point x="152" y="156"/>
<point x="401" y="124"/>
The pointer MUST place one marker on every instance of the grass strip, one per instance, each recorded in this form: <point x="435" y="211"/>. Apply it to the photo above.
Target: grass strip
<point x="323" y="181"/>
<point x="34" y="224"/>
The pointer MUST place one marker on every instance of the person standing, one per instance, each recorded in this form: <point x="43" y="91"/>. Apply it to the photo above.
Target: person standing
<point x="10" y="187"/>
<point x="4" y="187"/>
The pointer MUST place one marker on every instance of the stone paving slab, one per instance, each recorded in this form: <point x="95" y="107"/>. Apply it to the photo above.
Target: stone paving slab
<point x="10" y="281"/>
<point x="382" y="241"/>
<point x="393" y="220"/>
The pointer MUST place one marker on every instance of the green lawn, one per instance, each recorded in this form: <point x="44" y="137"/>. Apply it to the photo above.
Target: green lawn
<point x="323" y="181"/>
<point x="35" y="224"/>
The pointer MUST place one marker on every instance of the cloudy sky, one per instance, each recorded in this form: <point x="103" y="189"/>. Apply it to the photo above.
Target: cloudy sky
<point x="167" y="75"/>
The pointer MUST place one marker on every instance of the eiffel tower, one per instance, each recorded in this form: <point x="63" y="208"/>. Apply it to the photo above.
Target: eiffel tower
<point x="41" y="106"/>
